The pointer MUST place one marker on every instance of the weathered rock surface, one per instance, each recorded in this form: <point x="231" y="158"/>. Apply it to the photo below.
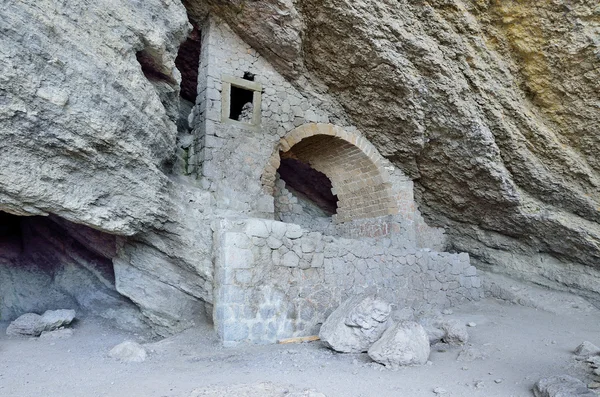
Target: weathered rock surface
<point x="54" y="319"/>
<point x="128" y="351"/>
<point x="432" y="328"/>
<point x="356" y="324"/>
<point x="27" y="324"/>
<point x="97" y="127"/>
<point x="451" y="331"/>
<point x="402" y="344"/>
<point x="587" y="349"/>
<point x="455" y="332"/>
<point x="33" y="324"/>
<point x="490" y="106"/>
<point x="561" y="386"/>
<point x="461" y="95"/>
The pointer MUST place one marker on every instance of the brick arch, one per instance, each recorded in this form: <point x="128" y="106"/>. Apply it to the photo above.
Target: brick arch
<point x="355" y="168"/>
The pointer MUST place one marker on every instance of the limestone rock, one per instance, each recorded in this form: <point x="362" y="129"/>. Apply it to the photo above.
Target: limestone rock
<point x="434" y="331"/>
<point x="586" y="349"/>
<point x="402" y="344"/>
<point x="87" y="126"/>
<point x="455" y="332"/>
<point x="128" y="351"/>
<point x="34" y="324"/>
<point x="54" y="319"/>
<point x="450" y="331"/>
<point x="356" y="324"/>
<point x="561" y="386"/>
<point x="27" y="324"/>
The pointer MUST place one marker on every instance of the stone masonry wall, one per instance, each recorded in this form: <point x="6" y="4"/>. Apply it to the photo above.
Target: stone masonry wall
<point x="231" y="156"/>
<point x="275" y="280"/>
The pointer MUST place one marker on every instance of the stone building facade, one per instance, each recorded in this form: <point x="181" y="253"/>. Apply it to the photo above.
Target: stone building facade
<point x="280" y="266"/>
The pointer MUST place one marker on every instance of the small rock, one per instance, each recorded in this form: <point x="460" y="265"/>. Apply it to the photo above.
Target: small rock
<point x="498" y="380"/>
<point x="455" y="332"/>
<point x="402" y="344"/>
<point x="440" y="390"/>
<point x="559" y="386"/>
<point x="30" y="324"/>
<point x="587" y="349"/>
<point x="471" y="324"/>
<point x="356" y="324"/>
<point x="447" y="312"/>
<point x="54" y="319"/>
<point x="128" y="351"/>
<point x="594" y="385"/>
<point x="57" y="334"/>
<point x="479" y="384"/>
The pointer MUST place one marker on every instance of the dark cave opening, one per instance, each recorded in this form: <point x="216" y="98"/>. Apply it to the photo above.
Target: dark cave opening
<point x="152" y="68"/>
<point x="47" y="262"/>
<point x="310" y="183"/>
<point x="188" y="62"/>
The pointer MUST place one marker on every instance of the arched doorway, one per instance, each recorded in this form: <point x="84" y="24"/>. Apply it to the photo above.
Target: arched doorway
<point x="353" y="166"/>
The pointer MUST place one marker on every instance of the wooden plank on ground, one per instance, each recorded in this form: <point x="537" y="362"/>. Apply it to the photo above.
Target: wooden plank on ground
<point x="300" y="339"/>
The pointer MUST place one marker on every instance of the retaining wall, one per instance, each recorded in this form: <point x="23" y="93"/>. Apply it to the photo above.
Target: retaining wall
<point x="275" y="280"/>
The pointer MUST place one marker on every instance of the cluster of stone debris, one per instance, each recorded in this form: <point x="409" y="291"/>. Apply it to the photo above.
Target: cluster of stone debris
<point x="365" y="323"/>
<point x="50" y="325"/>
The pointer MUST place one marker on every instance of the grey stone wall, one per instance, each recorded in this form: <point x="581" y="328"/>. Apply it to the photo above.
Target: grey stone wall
<point x="275" y="280"/>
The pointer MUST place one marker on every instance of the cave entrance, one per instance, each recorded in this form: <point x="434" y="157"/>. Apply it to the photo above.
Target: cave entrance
<point x="49" y="263"/>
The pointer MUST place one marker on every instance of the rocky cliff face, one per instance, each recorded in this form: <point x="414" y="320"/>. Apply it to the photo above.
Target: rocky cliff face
<point x="88" y="106"/>
<point x="493" y="107"/>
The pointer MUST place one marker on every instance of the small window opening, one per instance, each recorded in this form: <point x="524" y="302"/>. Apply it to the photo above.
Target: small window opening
<point x="310" y="183"/>
<point x="249" y="76"/>
<point x="241" y="107"/>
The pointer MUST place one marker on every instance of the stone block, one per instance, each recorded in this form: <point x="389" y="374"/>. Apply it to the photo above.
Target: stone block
<point x="294" y="232"/>
<point x="238" y="258"/>
<point x="290" y="259"/>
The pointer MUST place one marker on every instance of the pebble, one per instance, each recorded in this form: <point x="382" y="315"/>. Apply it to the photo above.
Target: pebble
<point x="471" y="324"/>
<point x="440" y="390"/>
<point x="498" y="380"/>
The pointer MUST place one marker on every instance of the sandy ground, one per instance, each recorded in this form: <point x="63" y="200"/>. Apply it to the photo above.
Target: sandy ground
<point x="522" y="344"/>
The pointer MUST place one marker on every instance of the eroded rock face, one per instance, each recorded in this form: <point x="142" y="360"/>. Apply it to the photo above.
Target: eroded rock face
<point x="88" y="107"/>
<point x="489" y="106"/>
<point x="84" y="133"/>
